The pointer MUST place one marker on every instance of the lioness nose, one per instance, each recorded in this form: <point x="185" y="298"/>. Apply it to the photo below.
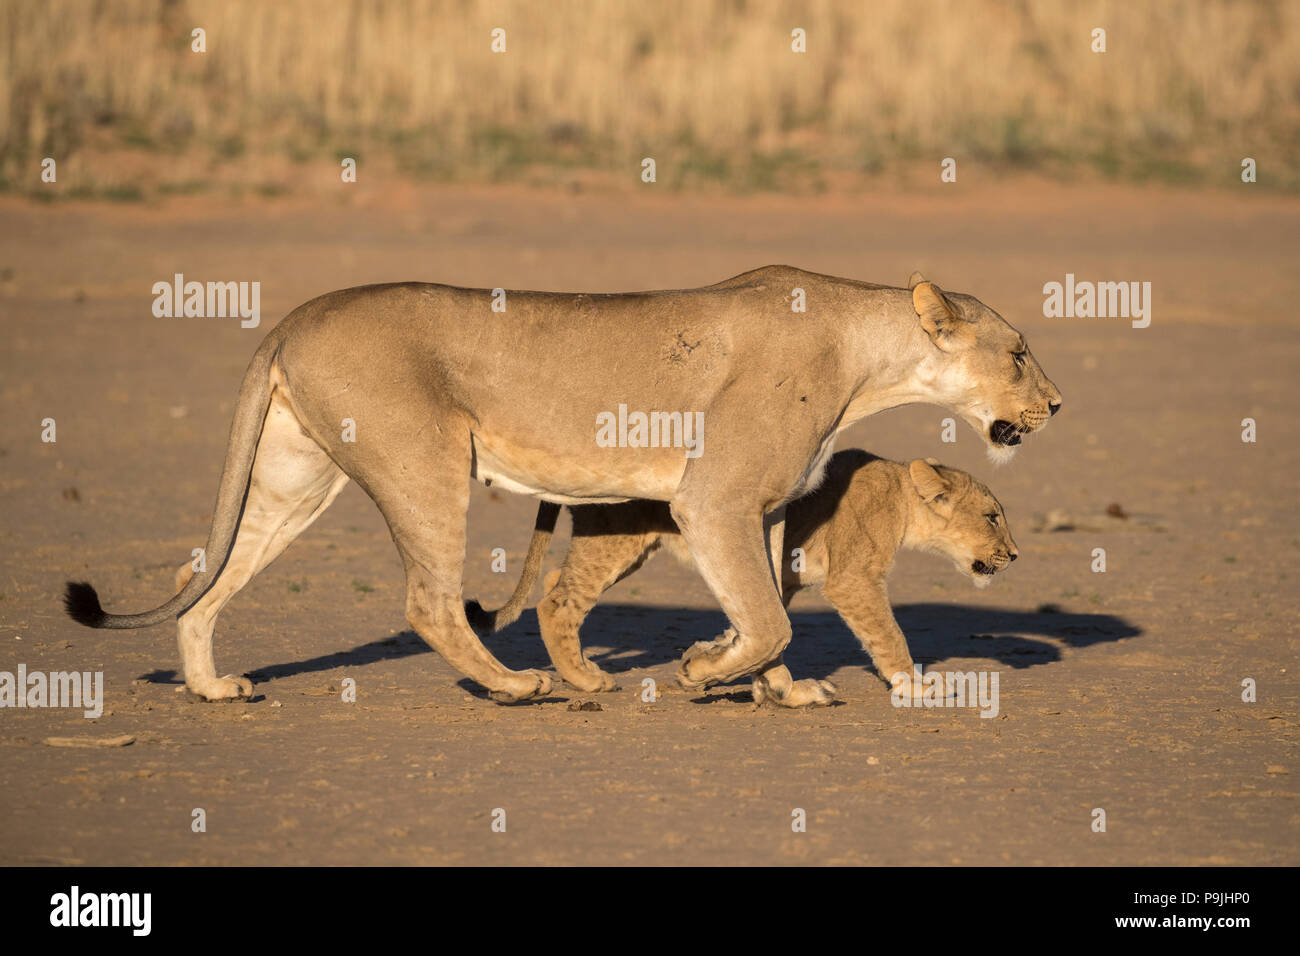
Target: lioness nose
<point x="1014" y="555"/>
<point x="1053" y="407"/>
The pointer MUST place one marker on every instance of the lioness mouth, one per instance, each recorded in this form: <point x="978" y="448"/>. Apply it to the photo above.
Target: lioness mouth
<point x="979" y="567"/>
<point x="1004" y="433"/>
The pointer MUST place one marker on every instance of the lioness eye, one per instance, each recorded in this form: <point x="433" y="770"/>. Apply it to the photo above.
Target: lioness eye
<point x="1018" y="357"/>
<point x="993" y="518"/>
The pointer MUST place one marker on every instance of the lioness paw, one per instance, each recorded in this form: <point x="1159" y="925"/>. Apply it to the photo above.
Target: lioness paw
<point x="719" y="643"/>
<point x="523" y="685"/>
<point x="596" y="681"/>
<point x="815" y="693"/>
<point x="700" y="664"/>
<point x="695" y="672"/>
<point x="229" y="687"/>
<point x="803" y="693"/>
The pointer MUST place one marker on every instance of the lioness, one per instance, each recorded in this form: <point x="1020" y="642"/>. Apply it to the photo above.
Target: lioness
<point x="849" y="530"/>
<point x="410" y="387"/>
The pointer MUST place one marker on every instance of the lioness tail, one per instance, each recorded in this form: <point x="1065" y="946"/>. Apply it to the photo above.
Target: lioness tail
<point x="80" y="600"/>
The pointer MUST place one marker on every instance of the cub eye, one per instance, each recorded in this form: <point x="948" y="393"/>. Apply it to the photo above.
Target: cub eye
<point x="993" y="519"/>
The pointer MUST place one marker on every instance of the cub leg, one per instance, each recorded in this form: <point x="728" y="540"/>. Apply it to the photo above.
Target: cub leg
<point x="599" y="557"/>
<point x="863" y="603"/>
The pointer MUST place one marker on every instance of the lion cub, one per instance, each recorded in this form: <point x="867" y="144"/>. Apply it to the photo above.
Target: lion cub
<point x="848" y="531"/>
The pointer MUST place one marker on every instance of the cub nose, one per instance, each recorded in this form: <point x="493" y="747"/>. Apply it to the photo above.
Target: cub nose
<point x="1053" y="407"/>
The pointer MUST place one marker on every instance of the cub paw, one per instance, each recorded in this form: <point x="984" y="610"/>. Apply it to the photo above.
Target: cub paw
<point x="903" y="685"/>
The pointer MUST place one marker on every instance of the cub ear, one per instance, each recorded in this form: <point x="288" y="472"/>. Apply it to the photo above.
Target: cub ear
<point x="946" y="328"/>
<point x="914" y="280"/>
<point x="929" y="483"/>
<point x="932" y="461"/>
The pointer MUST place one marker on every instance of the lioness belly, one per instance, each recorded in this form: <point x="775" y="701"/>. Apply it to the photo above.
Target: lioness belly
<point x="600" y="476"/>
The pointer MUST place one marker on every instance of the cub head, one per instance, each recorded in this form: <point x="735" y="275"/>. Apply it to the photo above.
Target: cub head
<point x="956" y="515"/>
<point x="983" y="370"/>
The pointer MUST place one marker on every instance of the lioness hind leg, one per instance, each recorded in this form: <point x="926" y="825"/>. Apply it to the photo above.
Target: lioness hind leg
<point x="293" y="481"/>
<point x="598" y="558"/>
<point x="424" y="496"/>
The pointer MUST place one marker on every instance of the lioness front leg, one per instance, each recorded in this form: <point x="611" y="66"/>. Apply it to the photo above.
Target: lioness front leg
<point x="731" y="551"/>
<point x="773" y="684"/>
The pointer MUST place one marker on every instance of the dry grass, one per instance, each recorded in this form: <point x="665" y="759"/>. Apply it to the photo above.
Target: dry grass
<point x="710" y="88"/>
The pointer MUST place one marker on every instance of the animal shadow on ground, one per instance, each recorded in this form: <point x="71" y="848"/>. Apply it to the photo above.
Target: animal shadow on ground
<point x="626" y="637"/>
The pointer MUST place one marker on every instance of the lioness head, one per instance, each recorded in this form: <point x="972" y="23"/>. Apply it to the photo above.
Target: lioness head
<point x="958" y="516"/>
<point x="985" y="370"/>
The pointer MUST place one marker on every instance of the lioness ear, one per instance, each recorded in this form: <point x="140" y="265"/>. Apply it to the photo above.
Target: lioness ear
<point x="932" y="461"/>
<point x="914" y="280"/>
<point x="946" y="328"/>
<point x="929" y="483"/>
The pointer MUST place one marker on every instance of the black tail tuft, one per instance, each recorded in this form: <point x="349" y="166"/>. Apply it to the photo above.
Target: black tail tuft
<point x="82" y="604"/>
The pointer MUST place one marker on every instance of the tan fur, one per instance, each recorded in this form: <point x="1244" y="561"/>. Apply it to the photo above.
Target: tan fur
<point x="441" y="387"/>
<point x="849" y="531"/>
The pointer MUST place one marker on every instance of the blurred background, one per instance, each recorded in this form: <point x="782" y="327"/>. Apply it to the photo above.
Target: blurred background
<point x="710" y="88"/>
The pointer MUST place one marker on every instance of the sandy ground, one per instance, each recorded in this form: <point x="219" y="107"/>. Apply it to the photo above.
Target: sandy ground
<point x="1119" y="690"/>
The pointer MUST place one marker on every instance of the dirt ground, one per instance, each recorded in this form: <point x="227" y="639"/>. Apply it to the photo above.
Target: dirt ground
<point x="1120" y="691"/>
